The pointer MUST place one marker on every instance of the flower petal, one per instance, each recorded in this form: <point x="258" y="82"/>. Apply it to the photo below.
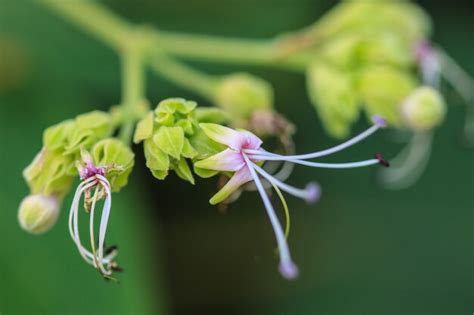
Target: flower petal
<point x="241" y="177"/>
<point x="227" y="160"/>
<point x="230" y="137"/>
<point x="251" y="140"/>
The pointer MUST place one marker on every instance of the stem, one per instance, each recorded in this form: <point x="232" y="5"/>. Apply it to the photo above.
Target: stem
<point x="183" y="75"/>
<point x="133" y="89"/>
<point x="93" y="18"/>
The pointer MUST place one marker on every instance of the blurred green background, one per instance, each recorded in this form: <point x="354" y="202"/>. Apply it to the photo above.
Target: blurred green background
<point x="361" y="250"/>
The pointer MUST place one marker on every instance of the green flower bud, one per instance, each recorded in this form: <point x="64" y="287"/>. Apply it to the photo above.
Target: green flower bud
<point x="118" y="160"/>
<point x="332" y="92"/>
<point x="424" y="109"/>
<point x="38" y="213"/>
<point x="382" y="89"/>
<point x="242" y="94"/>
<point x="167" y="134"/>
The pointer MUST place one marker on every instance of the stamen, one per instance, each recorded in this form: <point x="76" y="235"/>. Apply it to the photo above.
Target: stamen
<point x="285" y="208"/>
<point x="381" y="160"/>
<point x="287" y="268"/>
<point x="308" y="195"/>
<point x="378" y="121"/>
<point x="333" y="165"/>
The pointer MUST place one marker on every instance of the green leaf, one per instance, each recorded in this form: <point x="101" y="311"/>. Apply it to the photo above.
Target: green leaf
<point x="144" y="128"/>
<point x="204" y="173"/>
<point x="170" y="140"/>
<point x="212" y="115"/>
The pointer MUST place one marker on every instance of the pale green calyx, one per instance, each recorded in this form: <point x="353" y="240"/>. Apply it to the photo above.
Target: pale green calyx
<point x="333" y="93"/>
<point x="118" y="160"/>
<point x="382" y="89"/>
<point x="171" y="136"/>
<point x="53" y="169"/>
<point x="38" y="213"/>
<point x="242" y="94"/>
<point x="424" y="109"/>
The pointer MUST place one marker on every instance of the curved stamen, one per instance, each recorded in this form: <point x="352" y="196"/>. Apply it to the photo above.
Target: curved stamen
<point x="331" y="165"/>
<point x="105" y="215"/>
<point x="378" y="123"/>
<point x="74" y="229"/>
<point x="91" y="228"/>
<point x="287" y="268"/>
<point x="297" y="192"/>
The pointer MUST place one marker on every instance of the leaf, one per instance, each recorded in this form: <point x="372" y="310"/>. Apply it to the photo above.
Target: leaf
<point x="170" y="140"/>
<point x="144" y="128"/>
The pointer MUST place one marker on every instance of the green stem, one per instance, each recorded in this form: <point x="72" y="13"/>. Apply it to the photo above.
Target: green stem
<point x="132" y="88"/>
<point x="93" y="18"/>
<point x="183" y="75"/>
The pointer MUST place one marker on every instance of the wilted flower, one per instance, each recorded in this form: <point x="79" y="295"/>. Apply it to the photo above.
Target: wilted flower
<point x="243" y="157"/>
<point x="97" y="182"/>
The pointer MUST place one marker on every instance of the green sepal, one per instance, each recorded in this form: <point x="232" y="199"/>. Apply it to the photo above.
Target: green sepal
<point x="118" y="160"/>
<point x="170" y="140"/>
<point x="182" y="170"/>
<point x="144" y="128"/>
<point x="55" y="137"/>
<point x="156" y="160"/>
<point x="188" y="150"/>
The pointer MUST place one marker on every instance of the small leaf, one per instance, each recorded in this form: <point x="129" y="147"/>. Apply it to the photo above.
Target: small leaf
<point x="170" y="140"/>
<point x="204" y="173"/>
<point x="144" y="128"/>
<point x="159" y="174"/>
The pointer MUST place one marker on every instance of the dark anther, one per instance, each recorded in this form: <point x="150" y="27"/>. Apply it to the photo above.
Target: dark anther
<point x="382" y="161"/>
<point x="110" y="249"/>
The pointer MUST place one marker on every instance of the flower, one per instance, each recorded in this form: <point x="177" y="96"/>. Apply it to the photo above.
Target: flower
<point x="98" y="181"/>
<point x="244" y="156"/>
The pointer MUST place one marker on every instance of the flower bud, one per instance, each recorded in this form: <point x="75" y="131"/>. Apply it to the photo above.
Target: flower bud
<point x="168" y="134"/>
<point x="38" y="213"/>
<point x="332" y="92"/>
<point x="242" y="94"/>
<point x="382" y="89"/>
<point x="424" y="109"/>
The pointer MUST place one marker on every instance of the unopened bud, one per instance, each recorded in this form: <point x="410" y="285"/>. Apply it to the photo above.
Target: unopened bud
<point x="38" y="213"/>
<point x="424" y="109"/>
<point x="242" y="94"/>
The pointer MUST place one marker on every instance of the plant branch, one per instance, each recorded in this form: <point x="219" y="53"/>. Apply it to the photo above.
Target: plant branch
<point x="183" y="75"/>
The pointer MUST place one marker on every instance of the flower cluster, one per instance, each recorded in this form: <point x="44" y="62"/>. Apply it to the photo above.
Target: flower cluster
<point x="369" y="63"/>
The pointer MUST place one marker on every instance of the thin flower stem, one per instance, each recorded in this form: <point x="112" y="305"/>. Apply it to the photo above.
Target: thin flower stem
<point x="132" y="89"/>
<point x="285" y="208"/>
<point x="183" y="75"/>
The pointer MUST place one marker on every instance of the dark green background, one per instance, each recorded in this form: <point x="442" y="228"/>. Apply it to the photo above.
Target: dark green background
<point x="361" y="250"/>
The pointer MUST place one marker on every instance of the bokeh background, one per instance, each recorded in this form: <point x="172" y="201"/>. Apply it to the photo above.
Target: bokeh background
<point x="361" y="250"/>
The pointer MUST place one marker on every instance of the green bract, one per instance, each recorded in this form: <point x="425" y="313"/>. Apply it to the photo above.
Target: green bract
<point x="171" y="135"/>
<point x="118" y="160"/>
<point x="242" y="94"/>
